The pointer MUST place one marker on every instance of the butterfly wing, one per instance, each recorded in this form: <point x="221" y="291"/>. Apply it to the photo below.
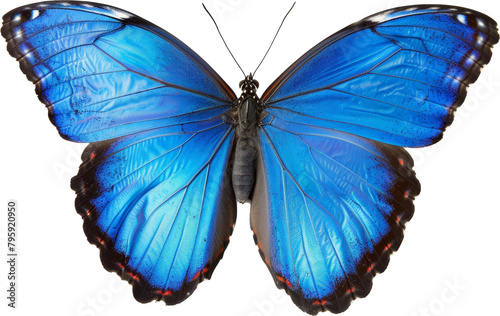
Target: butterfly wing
<point x="396" y="76"/>
<point x="103" y="72"/>
<point x="328" y="209"/>
<point x="153" y="188"/>
<point x="334" y="189"/>
<point x="159" y="205"/>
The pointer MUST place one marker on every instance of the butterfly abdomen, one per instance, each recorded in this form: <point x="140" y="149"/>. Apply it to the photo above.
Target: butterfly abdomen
<point x="243" y="168"/>
<point x="247" y="145"/>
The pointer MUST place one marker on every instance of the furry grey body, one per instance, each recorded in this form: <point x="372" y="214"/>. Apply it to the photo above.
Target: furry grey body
<point x="246" y="150"/>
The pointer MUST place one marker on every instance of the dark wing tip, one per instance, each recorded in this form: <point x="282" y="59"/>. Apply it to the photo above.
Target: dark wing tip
<point x="483" y="25"/>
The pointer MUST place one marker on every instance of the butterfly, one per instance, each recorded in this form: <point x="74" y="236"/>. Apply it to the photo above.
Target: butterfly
<point x="319" y="154"/>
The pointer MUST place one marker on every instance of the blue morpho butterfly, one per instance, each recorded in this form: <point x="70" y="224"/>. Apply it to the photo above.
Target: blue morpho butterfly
<point x="320" y="154"/>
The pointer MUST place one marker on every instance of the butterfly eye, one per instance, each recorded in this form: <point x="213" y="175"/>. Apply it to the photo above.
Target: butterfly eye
<point x="256" y="83"/>
<point x="242" y="82"/>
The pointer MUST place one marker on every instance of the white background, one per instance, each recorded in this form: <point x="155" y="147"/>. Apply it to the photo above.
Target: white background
<point x="453" y="237"/>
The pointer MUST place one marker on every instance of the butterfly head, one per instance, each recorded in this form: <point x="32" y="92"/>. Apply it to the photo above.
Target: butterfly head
<point x="249" y="88"/>
<point x="249" y="84"/>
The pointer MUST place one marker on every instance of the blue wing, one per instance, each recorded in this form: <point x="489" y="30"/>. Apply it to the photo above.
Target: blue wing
<point x="153" y="188"/>
<point x="334" y="189"/>
<point x="159" y="205"/>
<point x="103" y="72"/>
<point x="328" y="209"/>
<point x="395" y="77"/>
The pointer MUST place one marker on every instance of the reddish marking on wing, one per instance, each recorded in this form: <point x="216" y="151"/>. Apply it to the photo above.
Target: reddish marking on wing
<point x="398" y="219"/>
<point x="387" y="246"/>
<point x="102" y="242"/>
<point x="284" y="280"/>
<point x="370" y="268"/>
<point x="226" y="88"/>
<point x="92" y="156"/>
<point x="87" y="214"/>
<point x="121" y="266"/>
<point x="133" y="276"/>
<point x="407" y="194"/>
<point x="401" y="161"/>
<point x="220" y="252"/>
<point x="267" y="262"/>
<point x="164" y="293"/>
<point x="271" y="88"/>
<point x="322" y="302"/>
<point x="351" y="290"/>
<point x="205" y="270"/>
<point x="196" y="276"/>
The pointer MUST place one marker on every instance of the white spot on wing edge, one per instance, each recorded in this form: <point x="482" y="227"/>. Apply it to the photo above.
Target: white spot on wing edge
<point x="481" y="23"/>
<point x="462" y="18"/>
<point x="378" y="18"/>
<point x="121" y="14"/>
<point x="480" y="38"/>
<point x="29" y="56"/>
<point x="38" y="73"/>
<point x="35" y="14"/>
<point x="17" y="17"/>
<point x="87" y="5"/>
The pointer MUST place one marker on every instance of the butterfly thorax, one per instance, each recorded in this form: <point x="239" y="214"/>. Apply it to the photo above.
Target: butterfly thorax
<point x="246" y="145"/>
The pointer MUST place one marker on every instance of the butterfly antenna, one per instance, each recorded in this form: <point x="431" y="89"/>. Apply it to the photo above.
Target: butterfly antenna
<point x="223" y="39"/>
<point x="274" y="38"/>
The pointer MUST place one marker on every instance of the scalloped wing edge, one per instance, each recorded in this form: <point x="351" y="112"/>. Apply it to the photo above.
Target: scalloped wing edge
<point x="114" y="261"/>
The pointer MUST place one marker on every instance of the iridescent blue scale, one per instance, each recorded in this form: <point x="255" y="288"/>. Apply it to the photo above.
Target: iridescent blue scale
<point x="320" y="155"/>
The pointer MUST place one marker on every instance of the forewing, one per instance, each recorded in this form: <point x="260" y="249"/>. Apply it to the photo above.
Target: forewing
<point x="328" y="210"/>
<point x="396" y="76"/>
<point x="104" y="73"/>
<point x="159" y="205"/>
